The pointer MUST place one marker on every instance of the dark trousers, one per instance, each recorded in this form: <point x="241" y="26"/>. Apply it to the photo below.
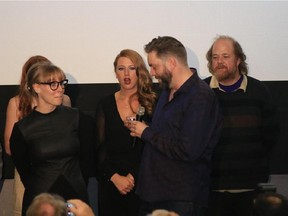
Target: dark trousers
<point x="180" y="207"/>
<point x="228" y="204"/>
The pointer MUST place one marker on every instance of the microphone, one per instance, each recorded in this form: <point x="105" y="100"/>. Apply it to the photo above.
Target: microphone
<point x="139" y="117"/>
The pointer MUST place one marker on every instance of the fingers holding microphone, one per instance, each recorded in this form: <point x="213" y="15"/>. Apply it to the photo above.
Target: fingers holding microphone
<point x="137" y="128"/>
<point x="135" y="125"/>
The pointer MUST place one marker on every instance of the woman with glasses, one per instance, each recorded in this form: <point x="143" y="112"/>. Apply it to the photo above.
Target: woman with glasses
<point x="46" y="144"/>
<point x="18" y="107"/>
<point x="118" y="153"/>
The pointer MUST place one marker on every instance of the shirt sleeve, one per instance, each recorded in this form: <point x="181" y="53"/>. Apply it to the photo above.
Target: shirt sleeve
<point x="105" y="169"/>
<point x="20" y="154"/>
<point x="191" y="136"/>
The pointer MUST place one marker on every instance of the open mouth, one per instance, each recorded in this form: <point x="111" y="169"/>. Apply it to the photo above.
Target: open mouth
<point x="127" y="81"/>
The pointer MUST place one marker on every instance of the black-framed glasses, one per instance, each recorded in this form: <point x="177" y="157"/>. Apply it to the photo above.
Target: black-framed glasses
<point x="54" y="84"/>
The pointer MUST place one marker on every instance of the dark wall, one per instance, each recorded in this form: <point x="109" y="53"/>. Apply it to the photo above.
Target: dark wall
<point x="279" y="156"/>
<point x="86" y="97"/>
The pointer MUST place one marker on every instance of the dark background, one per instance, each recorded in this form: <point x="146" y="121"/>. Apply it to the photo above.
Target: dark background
<point x="87" y="96"/>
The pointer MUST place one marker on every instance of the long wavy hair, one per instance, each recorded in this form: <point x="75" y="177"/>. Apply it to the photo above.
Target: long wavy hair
<point x="238" y="51"/>
<point x="145" y="93"/>
<point x="25" y="101"/>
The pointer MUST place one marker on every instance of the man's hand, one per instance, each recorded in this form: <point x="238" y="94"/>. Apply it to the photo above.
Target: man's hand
<point x="137" y="128"/>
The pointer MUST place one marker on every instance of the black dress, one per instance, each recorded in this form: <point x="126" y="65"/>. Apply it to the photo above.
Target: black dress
<point x="115" y="155"/>
<point x="48" y="155"/>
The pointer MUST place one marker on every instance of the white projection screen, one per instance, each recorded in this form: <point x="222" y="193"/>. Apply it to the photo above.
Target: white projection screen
<point x="83" y="37"/>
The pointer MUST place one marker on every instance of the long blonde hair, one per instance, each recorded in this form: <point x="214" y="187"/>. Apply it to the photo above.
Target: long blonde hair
<point x="145" y="93"/>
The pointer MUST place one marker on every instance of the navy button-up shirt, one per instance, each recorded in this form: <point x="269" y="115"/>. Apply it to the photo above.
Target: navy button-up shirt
<point x="179" y="144"/>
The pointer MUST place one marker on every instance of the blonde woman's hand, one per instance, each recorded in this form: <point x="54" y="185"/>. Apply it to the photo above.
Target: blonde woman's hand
<point x="124" y="184"/>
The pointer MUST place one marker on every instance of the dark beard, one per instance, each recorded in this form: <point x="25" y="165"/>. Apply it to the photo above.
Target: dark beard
<point x="165" y="80"/>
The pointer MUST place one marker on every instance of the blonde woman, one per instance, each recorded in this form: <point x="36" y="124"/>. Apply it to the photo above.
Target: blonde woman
<point x="118" y="159"/>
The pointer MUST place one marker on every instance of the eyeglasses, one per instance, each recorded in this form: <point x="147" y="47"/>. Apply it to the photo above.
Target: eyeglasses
<point x="54" y="85"/>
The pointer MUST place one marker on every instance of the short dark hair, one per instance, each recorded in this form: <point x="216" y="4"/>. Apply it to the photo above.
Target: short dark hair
<point x="166" y="45"/>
